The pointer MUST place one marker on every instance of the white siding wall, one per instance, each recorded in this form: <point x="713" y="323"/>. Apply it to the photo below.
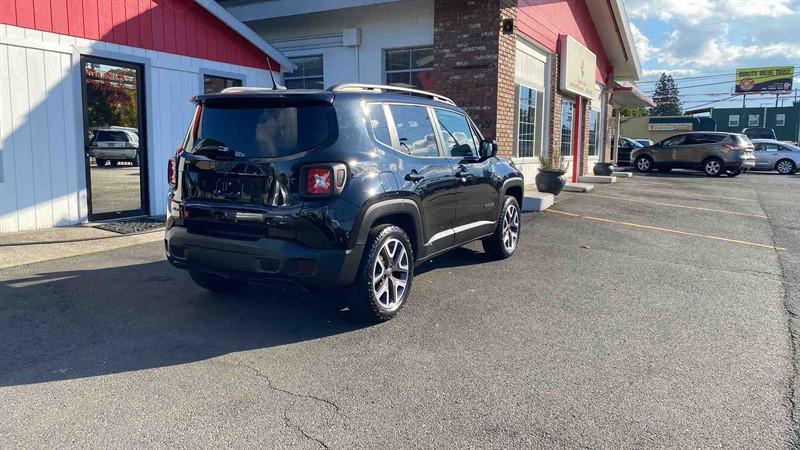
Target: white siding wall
<point x="42" y="172"/>
<point x="392" y="25"/>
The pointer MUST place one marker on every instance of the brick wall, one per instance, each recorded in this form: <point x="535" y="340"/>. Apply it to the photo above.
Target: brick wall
<point x="474" y="63"/>
<point x="554" y="122"/>
<point x="609" y="129"/>
<point x="586" y="104"/>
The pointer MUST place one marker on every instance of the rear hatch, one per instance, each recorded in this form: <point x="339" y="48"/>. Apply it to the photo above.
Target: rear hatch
<point x="744" y="144"/>
<point x="239" y="175"/>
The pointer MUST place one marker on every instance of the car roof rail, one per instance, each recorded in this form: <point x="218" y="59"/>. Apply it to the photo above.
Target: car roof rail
<point x="378" y="88"/>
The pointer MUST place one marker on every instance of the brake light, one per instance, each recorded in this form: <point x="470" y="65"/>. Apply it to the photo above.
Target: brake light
<point x="318" y="181"/>
<point x="172" y="172"/>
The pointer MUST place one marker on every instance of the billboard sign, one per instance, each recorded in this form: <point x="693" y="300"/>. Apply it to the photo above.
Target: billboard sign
<point x="578" y="68"/>
<point x="764" y="80"/>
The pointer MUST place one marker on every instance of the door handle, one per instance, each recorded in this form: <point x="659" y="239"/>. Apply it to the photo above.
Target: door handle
<point x="462" y="172"/>
<point x="414" y="176"/>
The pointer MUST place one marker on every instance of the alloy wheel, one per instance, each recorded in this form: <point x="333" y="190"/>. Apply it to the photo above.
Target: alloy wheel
<point x="643" y="164"/>
<point x="390" y="274"/>
<point x="510" y="228"/>
<point x="713" y="167"/>
<point x="785" y="167"/>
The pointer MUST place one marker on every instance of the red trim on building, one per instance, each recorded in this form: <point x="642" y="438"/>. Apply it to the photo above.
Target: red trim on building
<point x="544" y="20"/>
<point x="174" y="26"/>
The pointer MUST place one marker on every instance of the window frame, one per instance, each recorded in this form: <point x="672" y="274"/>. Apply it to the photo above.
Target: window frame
<point x="750" y="118"/>
<point x="304" y="77"/>
<point x="539" y="122"/>
<point x="596" y="134"/>
<point x="396" y="137"/>
<point x="730" y="120"/>
<point x="205" y="72"/>
<point x="782" y="121"/>
<point x="571" y="128"/>
<point x="385" y="72"/>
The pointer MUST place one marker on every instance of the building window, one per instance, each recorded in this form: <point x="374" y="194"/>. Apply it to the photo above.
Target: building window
<point x="567" y="111"/>
<point x="529" y="134"/>
<point x="752" y="120"/>
<point x="308" y="74"/>
<point x="213" y="84"/>
<point x="593" y="115"/>
<point x="733" y="120"/>
<point x="409" y="67"/>
<point x="780" y="120"/>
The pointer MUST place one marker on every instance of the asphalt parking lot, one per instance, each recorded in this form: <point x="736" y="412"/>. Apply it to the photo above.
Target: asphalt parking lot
<point x="649" y="313"/>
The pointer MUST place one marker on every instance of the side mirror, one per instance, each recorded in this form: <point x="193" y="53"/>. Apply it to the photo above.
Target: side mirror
<point x="488" y="148"/>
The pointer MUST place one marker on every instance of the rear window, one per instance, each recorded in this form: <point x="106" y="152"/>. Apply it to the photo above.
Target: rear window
<point x="264" y="131"/>
<point x="111" y="136"/>
<point x="741" y="139"/>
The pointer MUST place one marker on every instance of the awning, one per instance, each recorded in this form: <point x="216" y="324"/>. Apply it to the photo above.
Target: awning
<point x="626" y="94"/>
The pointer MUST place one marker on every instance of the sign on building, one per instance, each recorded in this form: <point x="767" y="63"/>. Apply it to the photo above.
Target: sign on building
<point x="578" y="67"/>
<point x="669" y="127"/>
<point x="764" y="80"/>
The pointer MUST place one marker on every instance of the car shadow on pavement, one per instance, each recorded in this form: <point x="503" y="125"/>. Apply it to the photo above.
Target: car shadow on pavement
<point x="83" y="323"/>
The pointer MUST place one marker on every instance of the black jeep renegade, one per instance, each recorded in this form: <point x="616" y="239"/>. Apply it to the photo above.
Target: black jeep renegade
<point x="348" y="187"/>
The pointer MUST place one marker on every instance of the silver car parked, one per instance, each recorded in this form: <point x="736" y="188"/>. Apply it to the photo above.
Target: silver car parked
<point x="776" y="155"/>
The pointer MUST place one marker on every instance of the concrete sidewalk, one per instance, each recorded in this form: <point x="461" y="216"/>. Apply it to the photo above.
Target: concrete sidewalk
<point x="27" y="247"/>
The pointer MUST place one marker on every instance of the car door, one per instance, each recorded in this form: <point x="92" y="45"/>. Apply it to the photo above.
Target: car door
<point x="769" y="156"/>
<point x="477" y="197"/>
<point x="690" y="150"/>
<point x="665" y="153"/>
<point x="425" y="172"/>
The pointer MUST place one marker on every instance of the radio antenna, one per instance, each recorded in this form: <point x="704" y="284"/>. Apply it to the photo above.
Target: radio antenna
<point x="275" y="85"/>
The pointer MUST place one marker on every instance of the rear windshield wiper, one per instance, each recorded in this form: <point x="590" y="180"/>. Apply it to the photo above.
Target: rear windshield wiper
<point x="216" y="149"/>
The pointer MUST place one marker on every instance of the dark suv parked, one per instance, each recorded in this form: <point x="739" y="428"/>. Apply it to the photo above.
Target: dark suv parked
<point x="712" y="152"/>
<point x="346" y="187"/>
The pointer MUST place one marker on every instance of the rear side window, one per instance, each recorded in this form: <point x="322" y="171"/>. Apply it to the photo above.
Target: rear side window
<point x="741" y="139"/>
<point x="379" y="124"/>
<point x="456" y="133"/>
<point x="264" y="131"/>
<point x="111" y="136"/>
<point x="414" y="130"/>
<point x="714" y="138"/>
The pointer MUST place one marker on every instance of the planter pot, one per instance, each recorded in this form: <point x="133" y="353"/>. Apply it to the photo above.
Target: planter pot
<point x="604" y="169"/>
<point x="550" y="181"/>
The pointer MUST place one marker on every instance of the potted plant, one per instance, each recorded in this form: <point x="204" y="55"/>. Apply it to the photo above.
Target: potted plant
<point x="551" y="173"/>
<point x="603" y="168"/>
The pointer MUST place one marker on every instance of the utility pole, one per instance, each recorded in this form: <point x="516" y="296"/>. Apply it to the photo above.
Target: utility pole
<point x="744" y="101"/>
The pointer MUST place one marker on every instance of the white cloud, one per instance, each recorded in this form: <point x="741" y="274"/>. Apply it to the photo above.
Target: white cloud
<point x="698" y="11"/>
<point x="643" y="46"/>
<point x="677" y="73"/>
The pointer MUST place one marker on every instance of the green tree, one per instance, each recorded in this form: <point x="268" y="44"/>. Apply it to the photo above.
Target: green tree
<point x="666" y="97"/>
<point x="633" y="111"/>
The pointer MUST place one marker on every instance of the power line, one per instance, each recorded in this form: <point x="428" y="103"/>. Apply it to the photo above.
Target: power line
<point x="706" y="84"/>
<point x="699" y="77"/>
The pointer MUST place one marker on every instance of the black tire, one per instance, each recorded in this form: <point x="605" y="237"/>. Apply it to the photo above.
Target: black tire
<point x="785" y="166"/>
<point x="135" y="161"/>
<point x="734" y="173"/>
<point x="113" y="163"/>
<point x="366" y="299"/>
<point x="501" y="244"/>
<point x="713" y="167"/>
<point x="100" y="162"/>
<point x="643" y="164"/>
<point x="216" y="283"/>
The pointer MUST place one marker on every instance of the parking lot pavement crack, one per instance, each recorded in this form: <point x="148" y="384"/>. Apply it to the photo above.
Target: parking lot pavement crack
<point x="791" y="306"/>
<point x="287" y="420"/>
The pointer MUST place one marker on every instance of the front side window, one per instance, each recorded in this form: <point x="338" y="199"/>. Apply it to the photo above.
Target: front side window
<point x="780" y="120"/>
<point x="414" y="130"/>
<point x="593" y="114"/>
<point x="457" y="134"/>
<point x="567" y="111"/>
<point x="308" y="75"/>
<point x="752" y="120"/>
<point x="379" y="124"/>
<point x="409" y="67"/>
<point x="675" y="140"/>
<point x="733" y="120"/>
<point x="213" y="84"/>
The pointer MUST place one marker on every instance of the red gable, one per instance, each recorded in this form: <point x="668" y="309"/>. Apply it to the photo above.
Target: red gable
<point x="174" y="26"/>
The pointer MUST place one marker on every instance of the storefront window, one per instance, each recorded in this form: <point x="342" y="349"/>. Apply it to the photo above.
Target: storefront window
<point x="308" y="74"/>
<point x="529" y="134"/>
<point x="213" y="84"/>
<point x="593" y="114"/>
<point x="567" y="111"/>
<point x="409" y="67"/>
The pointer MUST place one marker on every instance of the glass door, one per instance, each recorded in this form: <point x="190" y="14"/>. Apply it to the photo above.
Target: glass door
<point x="115" y="138"/>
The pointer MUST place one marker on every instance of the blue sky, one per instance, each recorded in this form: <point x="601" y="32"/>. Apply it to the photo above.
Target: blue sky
<point x="692" y="38"/>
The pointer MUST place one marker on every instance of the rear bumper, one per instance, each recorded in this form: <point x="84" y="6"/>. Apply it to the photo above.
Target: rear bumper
<point x="740" y="164"/>
<point x="262" y="260"/>
<point x="114" y="154"/>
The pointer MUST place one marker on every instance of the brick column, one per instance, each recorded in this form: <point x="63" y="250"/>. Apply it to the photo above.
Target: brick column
<point x="608" y="141"/>
<point x="554" y="123"/>
<point x="474" y="63"/>
<point x="587" y="109"/>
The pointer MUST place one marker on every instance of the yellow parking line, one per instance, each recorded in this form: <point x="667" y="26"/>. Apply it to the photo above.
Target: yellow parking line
<point x="700" y="195"/>
<point x="667" y="230"/>
<point x="678" y="206"/>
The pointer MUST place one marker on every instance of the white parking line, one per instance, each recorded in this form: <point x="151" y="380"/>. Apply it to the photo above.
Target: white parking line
<point x="716" y="197"/>
<point x="678" y="206"/>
